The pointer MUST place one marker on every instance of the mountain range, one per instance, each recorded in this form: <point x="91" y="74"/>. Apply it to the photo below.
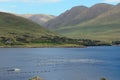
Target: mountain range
<point x="100" y="21"/>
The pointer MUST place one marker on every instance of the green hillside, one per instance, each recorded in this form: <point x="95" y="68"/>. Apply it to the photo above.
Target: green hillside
<point x="17" y="30"/>
<point x="11" y="24"/>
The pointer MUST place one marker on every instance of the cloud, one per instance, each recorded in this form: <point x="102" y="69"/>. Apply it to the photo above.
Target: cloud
<point x="41" y="1"/>
<point x="116" y="1"/>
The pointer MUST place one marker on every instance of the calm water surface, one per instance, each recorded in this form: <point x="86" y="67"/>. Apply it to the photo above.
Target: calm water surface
<point x="60" y="63"/>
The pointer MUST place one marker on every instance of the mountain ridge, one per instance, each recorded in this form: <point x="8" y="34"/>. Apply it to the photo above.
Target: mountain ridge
<point x="83" y="14"/>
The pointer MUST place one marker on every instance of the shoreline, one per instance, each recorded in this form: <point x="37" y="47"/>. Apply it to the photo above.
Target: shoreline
<point x="54" y="46"/>
<point x="48" y="47"/>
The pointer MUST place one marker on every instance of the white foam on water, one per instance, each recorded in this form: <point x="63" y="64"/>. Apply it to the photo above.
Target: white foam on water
<point x="63" y="61"/>
<point x="85" y="61"/>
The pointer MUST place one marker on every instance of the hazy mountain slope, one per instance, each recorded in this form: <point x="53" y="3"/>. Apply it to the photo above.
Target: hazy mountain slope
<point x="66" y="17"/>
<point x="105" y="26"/>
<point x="38" y="18"/>
<point x="15" y="26"/>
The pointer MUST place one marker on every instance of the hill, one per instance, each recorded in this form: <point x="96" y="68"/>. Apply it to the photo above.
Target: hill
<point x="10" y="23"/>
<point x="100" y="22"/>
<point x="17" y="29"/>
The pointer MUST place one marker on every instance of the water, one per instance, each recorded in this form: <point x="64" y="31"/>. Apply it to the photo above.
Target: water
<point x="60" y="63"/>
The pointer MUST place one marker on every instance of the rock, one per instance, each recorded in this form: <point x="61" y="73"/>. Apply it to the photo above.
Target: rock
<point x="36" y="78"/>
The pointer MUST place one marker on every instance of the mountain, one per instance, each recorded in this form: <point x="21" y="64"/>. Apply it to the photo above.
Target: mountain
<point x="66" y="18"/>
<point x="38" y="18"/>
<point x="17" y="28"/>
<point x="106" y="25"/>
<point x="93" y="12"/>
<point x="101" y="21"/>
<point x="77" y="15"/>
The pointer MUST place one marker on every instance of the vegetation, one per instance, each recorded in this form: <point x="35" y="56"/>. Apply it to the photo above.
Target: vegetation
<point x="47" y="41"/>
<point x="116" y="42"/>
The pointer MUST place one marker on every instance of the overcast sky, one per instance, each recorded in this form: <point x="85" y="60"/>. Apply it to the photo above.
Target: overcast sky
<point x="53" y="7"/>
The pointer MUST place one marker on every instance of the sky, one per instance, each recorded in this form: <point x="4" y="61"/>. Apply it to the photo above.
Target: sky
<point x="52" y="7"/>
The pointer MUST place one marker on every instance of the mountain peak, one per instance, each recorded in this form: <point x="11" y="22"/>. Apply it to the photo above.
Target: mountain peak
<point x="75" y="9"/>
<point x="101" y="5"/>
<point x="78" y="7"/>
